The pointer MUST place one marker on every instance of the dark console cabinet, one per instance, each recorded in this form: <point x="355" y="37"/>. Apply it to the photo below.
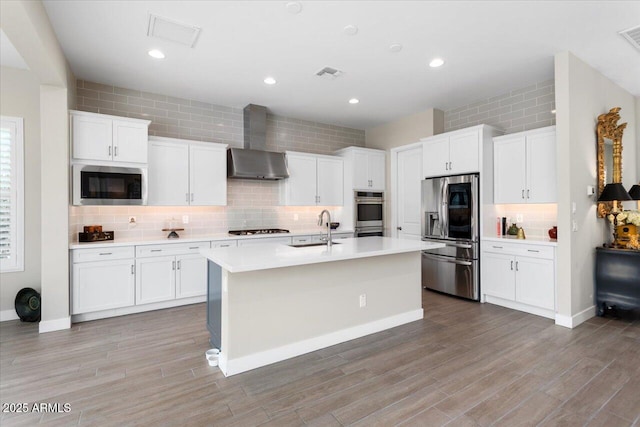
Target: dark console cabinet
<point x="617" y="280"/>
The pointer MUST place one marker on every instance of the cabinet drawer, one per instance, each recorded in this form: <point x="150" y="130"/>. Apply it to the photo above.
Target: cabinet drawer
<point x="224" y="244"/>
<point x="533" y="251"/>
<point x="171" y="249"/>
<point x="342" y="236"/>
<point x="102" y="254"/>
<point x="296" y="240"/>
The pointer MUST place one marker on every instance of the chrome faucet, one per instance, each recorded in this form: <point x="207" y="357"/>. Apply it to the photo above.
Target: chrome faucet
<point x="328" y="225"/>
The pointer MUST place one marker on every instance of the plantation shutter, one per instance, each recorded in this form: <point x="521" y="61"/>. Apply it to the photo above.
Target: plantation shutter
<point x="11" y="194"/>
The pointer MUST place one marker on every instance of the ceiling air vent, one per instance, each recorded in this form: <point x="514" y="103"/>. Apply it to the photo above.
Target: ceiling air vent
<point x="174" y="31"/>
<point x="329" y="72"/>
<point x="632" y="35"/>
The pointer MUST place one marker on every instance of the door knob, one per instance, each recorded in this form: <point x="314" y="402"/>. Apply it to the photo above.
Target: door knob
<point x="399" y="228"/>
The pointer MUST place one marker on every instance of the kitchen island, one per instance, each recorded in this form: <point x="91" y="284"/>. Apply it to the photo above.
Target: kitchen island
<point x="270" y="303"/>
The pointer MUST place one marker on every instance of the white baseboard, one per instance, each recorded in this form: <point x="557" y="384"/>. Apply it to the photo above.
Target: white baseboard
<point x="549" y="314"/>
<point x="267" y="357"/>
<point x="55" y="325"/>
<point x="84" y="317"/>
<point x="8" y="315"/>
<point x="576" y="319"/>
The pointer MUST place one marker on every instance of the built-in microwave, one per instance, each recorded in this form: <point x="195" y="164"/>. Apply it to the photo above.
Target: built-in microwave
<point x="109" y="185"/>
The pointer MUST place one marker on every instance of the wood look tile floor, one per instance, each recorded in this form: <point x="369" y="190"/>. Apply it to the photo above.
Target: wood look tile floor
<point x="465" y="364"/>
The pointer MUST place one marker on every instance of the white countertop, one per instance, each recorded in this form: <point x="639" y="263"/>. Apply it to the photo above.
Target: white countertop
<point x="527" y="241"/>
<point x="242" y="259"/>
<point x="191" y="239"/>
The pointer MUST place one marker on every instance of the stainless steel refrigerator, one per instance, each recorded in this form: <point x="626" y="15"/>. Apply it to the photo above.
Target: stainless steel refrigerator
<point x="450" y="208"/>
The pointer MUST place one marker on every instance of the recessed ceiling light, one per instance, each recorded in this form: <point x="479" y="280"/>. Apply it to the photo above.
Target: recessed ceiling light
<point x="155" y="53"/>
<point x="294" y="7"/>
<point x="350" y="30"/>
<point x="354" y="101"/>
<point x="436" y="62"/>
<point x="270" y="80"/>
<point x="395" y="48"/>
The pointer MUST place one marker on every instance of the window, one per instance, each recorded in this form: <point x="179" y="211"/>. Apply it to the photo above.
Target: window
<point x="11" y="194"/>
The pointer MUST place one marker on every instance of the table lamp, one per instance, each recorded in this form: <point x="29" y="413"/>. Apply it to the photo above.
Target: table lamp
<point x="615" y="193"/>
<point x="635" y="193"/>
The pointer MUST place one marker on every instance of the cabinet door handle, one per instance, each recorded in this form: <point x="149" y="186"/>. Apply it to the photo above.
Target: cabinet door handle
<point x="133" y="269"/>
<point x="446" y="166"/>
<point x="179" y="265"/>
<point x="225" y="246"/>
<point x="528" y="194"/>
<point x="450" y="166"/>
<point x="192" y="197"/>
<point x="496" y="247"/>
<point x="517" y="266"/>
<point x="156" y="250"/>
<point x="106" y="253"/>
<point x="532" y="250"/>
<point x="115" y="151"/>
<point x="511" y="265"/>
<point x="173" y="265"/>
<point x="186" y="197"/>
<point x="194" y="247"/>
<point x="109" y="151"/>
<point x="523" y="194"/>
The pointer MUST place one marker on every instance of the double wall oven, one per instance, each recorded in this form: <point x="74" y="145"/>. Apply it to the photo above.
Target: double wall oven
<point x="369" y="213"/>
<point x="450" y="207"/>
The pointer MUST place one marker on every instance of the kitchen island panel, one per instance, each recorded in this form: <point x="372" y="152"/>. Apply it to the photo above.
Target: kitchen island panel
<point x="272" y="315"/>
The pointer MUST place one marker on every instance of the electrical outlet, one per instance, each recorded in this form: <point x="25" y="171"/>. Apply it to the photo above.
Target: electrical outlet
<point x="363" y="300"/>
<point x="185" y="219"/>
<point x="132" y="220"/>
<point x="296" y="217"/>
<point x="574" y="225"/>
<point x="519" y="218"/>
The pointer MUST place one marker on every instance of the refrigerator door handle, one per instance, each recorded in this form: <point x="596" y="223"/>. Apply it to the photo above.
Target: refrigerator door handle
<point x="445" y="208"/>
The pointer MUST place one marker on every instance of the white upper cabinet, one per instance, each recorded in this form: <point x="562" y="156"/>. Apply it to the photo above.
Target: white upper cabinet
<point x="185" y="172"/>
<point x="313" y="180"/>
<point x="99" y="137"/>
<point x="365" y="168"/>
<point x="452" y="153"/>
<point x="525" y="167"/>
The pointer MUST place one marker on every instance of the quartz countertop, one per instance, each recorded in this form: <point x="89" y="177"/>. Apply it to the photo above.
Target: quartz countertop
<point x="527" y="241"/>
<point x="197" y="238"/>
<point x="264" y="257"/>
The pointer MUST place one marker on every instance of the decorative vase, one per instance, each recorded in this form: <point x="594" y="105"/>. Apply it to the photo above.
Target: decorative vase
<point x="553" y="232"/>
<point x="513" y="230"/>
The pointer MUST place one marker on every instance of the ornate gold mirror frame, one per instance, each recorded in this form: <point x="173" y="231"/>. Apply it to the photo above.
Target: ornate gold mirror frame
<point x="608" y="128"/>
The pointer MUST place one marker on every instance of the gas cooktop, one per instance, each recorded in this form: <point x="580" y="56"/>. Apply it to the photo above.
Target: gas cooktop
<point x="258" y="231"/>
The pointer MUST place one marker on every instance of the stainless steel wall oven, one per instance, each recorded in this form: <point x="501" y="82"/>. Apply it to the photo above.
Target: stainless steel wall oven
<point x="369" y="213"/>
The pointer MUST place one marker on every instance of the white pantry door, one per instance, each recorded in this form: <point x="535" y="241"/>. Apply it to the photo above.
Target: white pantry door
<point x="409" y="192"/>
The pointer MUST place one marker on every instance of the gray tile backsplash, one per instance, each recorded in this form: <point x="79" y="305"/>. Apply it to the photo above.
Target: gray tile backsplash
<point x="514" y="111"/>
<point x="250" y="204"/>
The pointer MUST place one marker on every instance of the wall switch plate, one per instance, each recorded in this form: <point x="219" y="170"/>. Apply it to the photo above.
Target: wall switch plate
<point x="591" y="190"/>
<point x="574" y="225"/>
<point x="185" y="219"/>
<point x="363" y="300"/>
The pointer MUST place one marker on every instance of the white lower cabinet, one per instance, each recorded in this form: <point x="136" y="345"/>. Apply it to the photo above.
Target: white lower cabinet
<point x="155" y="279"/>
<point x="102" y="285"/>
<point x="102" y="279"/>
<point x="168" y="272"/>
<point x="519" y="276"/>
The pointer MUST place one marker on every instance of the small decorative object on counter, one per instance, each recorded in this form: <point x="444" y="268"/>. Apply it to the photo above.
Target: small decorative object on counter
<point x="520" y="233"/>
<point x="504" y="226"/>
<point x="553" y="232"/>
<point x="172" y="228"/>
<point x="94" y="233"/>
<point x="499" y="227"/>
<point x="513" y="230"/>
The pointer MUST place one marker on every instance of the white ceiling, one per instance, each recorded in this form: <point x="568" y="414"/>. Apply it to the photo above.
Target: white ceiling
<point x="9" y="56"/>
<point x="489" y="48"/>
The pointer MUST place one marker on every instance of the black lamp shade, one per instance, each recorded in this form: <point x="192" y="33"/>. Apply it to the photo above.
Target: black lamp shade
<point x="614" y="192"/>
<point x="635" y="192"/>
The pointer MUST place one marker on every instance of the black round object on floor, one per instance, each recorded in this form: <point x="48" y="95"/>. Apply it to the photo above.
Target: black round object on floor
<point x="28" y="305"/>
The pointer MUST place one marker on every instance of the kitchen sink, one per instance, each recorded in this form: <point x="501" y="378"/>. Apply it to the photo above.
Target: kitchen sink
<point x="308" y="245"/>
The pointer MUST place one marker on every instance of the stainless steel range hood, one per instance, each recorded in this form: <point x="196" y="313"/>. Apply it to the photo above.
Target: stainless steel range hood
<point x="253" y="162"/>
